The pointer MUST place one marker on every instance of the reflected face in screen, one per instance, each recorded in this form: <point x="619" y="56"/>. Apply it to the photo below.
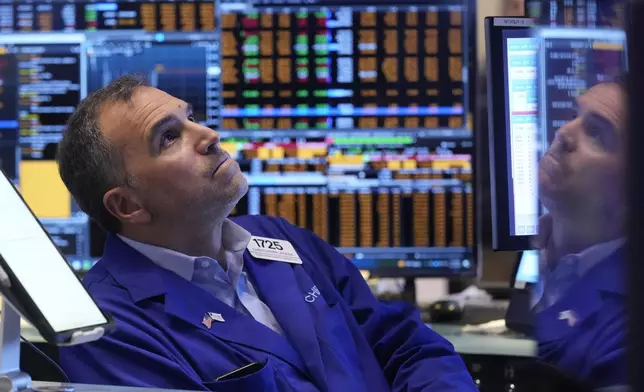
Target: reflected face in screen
<point x="178" y="169"/>
<point x="582" y="170"/>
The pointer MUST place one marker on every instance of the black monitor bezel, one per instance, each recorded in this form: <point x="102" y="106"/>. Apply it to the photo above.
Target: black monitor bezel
<point x="502" y="239"/>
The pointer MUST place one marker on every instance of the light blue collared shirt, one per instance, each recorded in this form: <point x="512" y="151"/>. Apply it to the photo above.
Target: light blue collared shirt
<point x="554" y="283"/>
<point x="231" y="286"/>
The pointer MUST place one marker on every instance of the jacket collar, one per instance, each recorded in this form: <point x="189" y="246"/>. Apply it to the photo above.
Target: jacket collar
<point x="136" y="273"/>
<point x="609" y="275"/>
<point x="587" y="259"/>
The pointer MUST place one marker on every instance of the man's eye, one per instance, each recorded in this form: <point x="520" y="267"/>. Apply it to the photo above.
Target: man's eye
<point x="596" y="138"/>
<point x="168" y="137"/>
<point x="600" y="132"/>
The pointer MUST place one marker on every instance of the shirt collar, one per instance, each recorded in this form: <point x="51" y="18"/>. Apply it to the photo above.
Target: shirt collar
<point x="234" y="239"/>
<point x="591" y="256"/>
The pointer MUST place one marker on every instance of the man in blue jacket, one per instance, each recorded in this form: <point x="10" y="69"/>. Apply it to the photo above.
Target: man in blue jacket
<point x="209" y="303"/>
<point x="581" y="320"/>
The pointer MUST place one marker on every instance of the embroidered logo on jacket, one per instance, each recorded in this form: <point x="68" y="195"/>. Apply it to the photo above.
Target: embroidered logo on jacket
<point x="312" y="295"/>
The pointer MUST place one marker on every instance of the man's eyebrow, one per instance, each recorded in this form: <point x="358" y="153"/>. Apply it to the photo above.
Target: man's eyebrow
<point x="161" y="124"/>
<point x="601" y="120"/>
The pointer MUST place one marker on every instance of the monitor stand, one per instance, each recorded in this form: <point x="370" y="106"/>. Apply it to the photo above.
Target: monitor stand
<point x="409" y="291"/>
<point x="12" y="379"/>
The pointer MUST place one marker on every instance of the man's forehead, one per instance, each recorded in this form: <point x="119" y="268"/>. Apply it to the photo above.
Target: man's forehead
<point x="606" y="99"/>
<point x="604" y="93"/>
<point x="119" y="118"/>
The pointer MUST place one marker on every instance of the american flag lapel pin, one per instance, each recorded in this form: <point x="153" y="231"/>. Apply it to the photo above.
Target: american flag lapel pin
<point x="569" y="316"/>
<point x="209" y="317"/>
<point x="207" y="321"/>
<point x="216" y="317"/>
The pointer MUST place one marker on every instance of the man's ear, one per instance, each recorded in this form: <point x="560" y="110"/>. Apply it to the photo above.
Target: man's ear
<point x="125" y="206"/>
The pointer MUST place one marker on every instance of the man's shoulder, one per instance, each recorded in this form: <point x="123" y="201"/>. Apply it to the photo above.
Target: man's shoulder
<point x="103" y="287"/>
<point x="97" y="275"/>
<point x="118" y="300"/>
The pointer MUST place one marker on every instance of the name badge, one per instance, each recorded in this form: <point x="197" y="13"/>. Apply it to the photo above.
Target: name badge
<point x="272" y="249"/>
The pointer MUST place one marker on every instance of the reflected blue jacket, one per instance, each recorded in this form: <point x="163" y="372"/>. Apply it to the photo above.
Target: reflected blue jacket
<point x="337" y="335"/>
<point x="584" y="332"/>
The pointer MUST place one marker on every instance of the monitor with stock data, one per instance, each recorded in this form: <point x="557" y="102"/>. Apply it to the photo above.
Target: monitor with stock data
<point x="533" y="85"/>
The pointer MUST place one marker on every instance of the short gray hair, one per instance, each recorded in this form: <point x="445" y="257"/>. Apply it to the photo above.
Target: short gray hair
<point x="88" y="164"/>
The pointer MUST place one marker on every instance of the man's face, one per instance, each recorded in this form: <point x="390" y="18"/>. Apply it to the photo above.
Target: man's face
<point x="179" y="171"/>
<point x="583" y="168"/>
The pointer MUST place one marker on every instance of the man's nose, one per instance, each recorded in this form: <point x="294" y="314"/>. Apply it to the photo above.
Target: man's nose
<point x="208" y="142"/>
<point x="565" y="138"/>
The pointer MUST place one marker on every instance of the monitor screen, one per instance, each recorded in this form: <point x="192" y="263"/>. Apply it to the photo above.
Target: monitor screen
<point x="40" y="269"/>
<point x="43" y="79"/>
<point x="353" y="121"/>
<point x="520" y="57"/>
<point x="528" y="269"/>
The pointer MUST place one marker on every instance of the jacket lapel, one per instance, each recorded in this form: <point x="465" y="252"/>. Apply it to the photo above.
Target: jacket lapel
<point x="283" y="287"/>
<point x="143" y="279"/>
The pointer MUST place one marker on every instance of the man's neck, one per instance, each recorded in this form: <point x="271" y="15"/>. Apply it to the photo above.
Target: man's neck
<point x="195" y="240"/>
<point x="575" y="234"/>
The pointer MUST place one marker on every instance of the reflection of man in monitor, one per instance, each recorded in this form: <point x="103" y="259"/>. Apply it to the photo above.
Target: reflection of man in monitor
<point x="581" y="317"/>
<point x="581" y="174"/>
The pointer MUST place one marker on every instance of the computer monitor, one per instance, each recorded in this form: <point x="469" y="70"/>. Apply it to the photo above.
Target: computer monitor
<point x="512" y="128"/>
<point x="353" y="120"/>
<point x="527" y="107"/>
<point x="43" y="80"/>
